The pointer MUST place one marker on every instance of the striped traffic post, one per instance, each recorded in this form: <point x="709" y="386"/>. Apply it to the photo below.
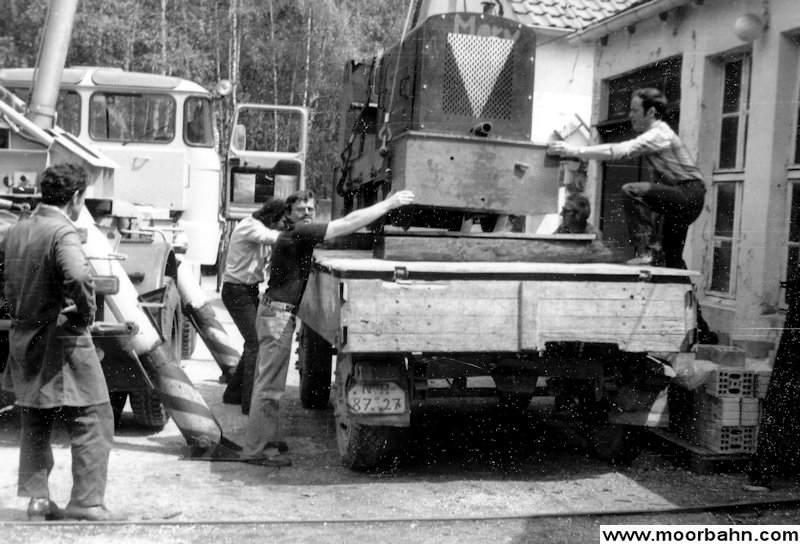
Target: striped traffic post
<point x="197" y="308"/>
<point x="188" y="410"/>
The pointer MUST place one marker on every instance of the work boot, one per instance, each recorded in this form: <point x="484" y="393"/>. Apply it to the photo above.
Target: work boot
<point x="42" y="508"/>
<point x="277" y="460"/>
<point x="90" y="513"/>
<point x="233" y="390"/>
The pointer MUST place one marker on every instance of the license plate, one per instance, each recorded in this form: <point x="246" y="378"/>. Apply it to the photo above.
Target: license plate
<point x="376" y="398"/>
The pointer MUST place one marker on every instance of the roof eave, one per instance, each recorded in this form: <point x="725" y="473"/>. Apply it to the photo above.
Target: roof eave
<point x="622" y="20"/>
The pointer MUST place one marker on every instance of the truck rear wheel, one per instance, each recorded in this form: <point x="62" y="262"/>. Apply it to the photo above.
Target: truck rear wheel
<point x="188" y="338"/>
<point x="314" y="364"/>
<point x="171" y="317"/>
<point x="147" y="409"/>
<point x="361" y="447"/>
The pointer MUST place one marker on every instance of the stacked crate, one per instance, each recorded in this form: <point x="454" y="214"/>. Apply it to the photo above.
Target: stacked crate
<point x="727" y="408"/>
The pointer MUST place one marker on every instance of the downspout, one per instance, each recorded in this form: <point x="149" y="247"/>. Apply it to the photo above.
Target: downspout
<point x="47" y="79"/>
<point x="625" y="19"/>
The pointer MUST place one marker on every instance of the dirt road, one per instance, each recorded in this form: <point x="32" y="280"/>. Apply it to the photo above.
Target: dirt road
<point x="460" y="465"/>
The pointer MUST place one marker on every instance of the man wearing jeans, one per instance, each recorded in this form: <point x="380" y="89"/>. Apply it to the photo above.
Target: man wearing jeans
<point x="290" y="268"/>
<point x="53" y="368"/>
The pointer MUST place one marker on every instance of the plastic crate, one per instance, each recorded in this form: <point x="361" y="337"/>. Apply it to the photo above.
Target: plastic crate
<point x="724" y="382"/>
<point x="726" y="439"/>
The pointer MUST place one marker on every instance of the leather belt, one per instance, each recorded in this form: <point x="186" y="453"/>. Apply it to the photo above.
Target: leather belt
<point x="277" y="305"/>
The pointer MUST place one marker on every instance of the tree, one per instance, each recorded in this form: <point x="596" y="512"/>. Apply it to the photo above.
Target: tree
<point x="280" y="51"/>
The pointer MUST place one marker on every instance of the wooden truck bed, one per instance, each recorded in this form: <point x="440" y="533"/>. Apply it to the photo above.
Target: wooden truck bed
<point x="361" y="304"/>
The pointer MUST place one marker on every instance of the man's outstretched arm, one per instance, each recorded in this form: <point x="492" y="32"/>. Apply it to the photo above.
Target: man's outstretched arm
<point x="361" y="218"/>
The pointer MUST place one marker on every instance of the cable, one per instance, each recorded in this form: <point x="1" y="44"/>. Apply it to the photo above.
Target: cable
<point x="720" y="507"/>
<point x="385" y="132"/>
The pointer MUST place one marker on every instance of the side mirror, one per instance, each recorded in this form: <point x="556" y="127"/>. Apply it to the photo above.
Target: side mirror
<point x="239" y="138"/>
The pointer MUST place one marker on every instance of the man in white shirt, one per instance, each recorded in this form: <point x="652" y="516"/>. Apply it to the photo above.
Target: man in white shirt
<point x="248" y="254"/>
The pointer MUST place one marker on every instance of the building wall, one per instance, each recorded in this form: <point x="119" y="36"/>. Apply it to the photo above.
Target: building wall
<point x="701" y="33"/>
<point x="562" y="86"/>
<point x="562" y="97"/>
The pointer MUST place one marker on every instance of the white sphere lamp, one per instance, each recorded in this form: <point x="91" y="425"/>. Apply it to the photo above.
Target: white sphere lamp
<point x="749" y="27"/>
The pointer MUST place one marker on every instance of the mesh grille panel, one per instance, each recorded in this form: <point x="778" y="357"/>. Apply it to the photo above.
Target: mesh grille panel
<point x="478" y="76"/>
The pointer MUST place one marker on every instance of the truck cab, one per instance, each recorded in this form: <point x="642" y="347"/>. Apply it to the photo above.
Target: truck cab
<point x="160" y="132"/>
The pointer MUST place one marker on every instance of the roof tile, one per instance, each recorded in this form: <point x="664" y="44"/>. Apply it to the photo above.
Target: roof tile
<point x="568" y="14"/>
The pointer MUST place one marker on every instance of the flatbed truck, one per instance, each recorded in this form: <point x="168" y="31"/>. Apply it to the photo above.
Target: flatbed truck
<point x="405" y="332"/>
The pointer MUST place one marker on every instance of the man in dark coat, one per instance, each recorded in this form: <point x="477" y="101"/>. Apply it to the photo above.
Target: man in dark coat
<point x="53" y="368"/>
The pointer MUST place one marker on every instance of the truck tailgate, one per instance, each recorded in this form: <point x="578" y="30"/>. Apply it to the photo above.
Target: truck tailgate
<point x="362" y="304"/>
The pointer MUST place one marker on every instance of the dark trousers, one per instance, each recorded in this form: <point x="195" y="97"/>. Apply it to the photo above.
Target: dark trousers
<point x="670" y="210"/>
<point x="241" y="301"/>
<point x="679" y="206"/>
<point x="91" y="432"/>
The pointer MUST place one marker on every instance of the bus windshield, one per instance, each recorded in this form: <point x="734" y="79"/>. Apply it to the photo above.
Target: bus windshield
<point x="137" y="117"/>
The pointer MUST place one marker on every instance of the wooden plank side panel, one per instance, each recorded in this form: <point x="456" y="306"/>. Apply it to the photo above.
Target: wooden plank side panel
<point x="614" y="290"/>
<point x="634" y="316"/>
<point x="495" y="250"/>
<point x="431" y="316"/>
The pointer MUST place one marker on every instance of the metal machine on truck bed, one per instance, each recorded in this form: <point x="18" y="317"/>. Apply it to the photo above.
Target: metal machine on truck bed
<point x="430" y="305"/>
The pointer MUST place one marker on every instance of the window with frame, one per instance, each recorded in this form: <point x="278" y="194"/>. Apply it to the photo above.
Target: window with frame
<point x="729" y="173"/>
<point x="197" y="119"/>
<point x="132" y="117"/>
<point x="68" y="108"/>
<point x="792" y="256"/>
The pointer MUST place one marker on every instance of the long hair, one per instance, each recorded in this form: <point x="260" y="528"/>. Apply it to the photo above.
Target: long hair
<point x="271" y="212"/>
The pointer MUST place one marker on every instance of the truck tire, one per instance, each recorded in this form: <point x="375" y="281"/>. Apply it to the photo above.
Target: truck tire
<point x="148" y="410"/>
<point x="617" y="444"/>
<point x="188" y="338"/>
<point x="314" y="365"/>
<point x="361" y="447"/>
<point x="365" y="447"/>
<point x="171" y="317"/>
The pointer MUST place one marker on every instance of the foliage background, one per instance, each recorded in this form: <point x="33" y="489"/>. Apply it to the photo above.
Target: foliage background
<point x="275" y="51"/>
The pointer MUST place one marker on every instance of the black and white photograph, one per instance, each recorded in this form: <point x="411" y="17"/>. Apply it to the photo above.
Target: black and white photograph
<point x="420" y="271"/>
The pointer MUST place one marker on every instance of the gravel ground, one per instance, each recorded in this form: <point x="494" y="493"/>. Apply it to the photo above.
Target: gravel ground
<point x="466" y="476"/>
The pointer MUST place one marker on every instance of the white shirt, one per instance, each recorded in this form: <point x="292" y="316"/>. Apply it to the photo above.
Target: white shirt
<point x="248" y="252"/>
